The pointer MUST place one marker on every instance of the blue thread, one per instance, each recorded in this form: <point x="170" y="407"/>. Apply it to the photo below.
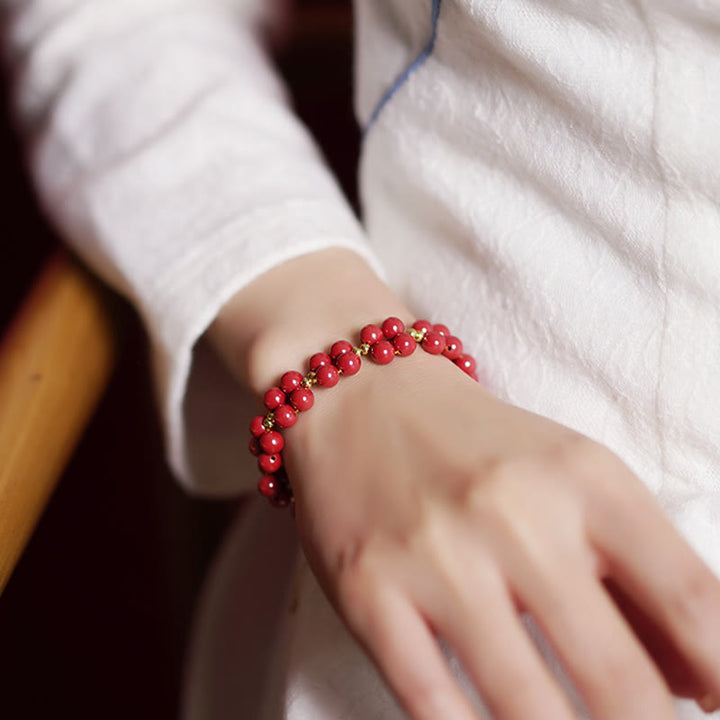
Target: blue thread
<point x="403" y="77"/>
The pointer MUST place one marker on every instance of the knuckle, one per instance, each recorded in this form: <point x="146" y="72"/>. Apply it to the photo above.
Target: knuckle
<point x="349" y="558"/>
<point x="491" y="488"/>
<point x="492" y="507"/>
<point x="578" y="454"/>
<point x="355" y="575"/>
<point x="502" y="511"/>
<point x="609" y="488"/>
<point x="508" y="501"/>
<point x="428" y="541"/>
<point x="364" y="564"/>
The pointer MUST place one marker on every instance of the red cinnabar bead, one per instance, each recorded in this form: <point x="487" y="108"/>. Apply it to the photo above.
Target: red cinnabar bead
<point x="370" y="334"/>
<point x="421" y="325"/>
<point x="453" y="348"/>
<point x="290" y="381"/>
<point x="348" y="363"/>
<point x="272" y="442"/>
<point x="274" y="397"/>
<point x="268" y="486"/>
<point x="392" y="326"/>
<point x="467" y="364"/>
<point x="382" y="352"/>
<point x="434" y="343"/>
<point x="442" y="329"/>
<point x="319" y="360"/>
<point x="340" y="348"/>
<point x="327" y="376"/>
<point x="285" y="416"/>
<point x="270" y="463"/>
<point x="302" y="399"/>
<point x="256" y="426"/>
<point x="404" y="344"/>
<point x="254" y="446"/>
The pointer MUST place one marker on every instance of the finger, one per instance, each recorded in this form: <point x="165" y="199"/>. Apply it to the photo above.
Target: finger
<point x="403" y="648"/>
<point x="653" y="564"/>
<point x="479" y="621"/>
<point x="609" y="667"/>
<point x="674" y="667"/>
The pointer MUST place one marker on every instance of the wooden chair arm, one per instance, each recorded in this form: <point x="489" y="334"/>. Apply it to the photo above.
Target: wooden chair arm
<point x="55" y="362"/>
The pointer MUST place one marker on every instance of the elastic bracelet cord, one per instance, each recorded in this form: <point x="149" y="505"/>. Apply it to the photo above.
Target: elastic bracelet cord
<point x="293" y="395"/>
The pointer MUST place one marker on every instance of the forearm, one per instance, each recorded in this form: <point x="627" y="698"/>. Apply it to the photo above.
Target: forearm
<point x="164" y="151"/>
<point x="296" y="309"/>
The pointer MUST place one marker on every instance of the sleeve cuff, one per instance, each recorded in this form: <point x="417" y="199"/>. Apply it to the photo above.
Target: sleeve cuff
<point x="204" y="409"/>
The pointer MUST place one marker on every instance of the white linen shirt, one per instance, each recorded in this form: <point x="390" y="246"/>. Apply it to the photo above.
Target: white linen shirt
<point x="543" y="176"/>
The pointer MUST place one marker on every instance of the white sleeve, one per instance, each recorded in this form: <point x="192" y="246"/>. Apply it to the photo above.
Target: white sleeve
<point x="163" y="149"/>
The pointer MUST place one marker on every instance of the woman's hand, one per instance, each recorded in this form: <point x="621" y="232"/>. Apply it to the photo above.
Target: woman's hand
<point x="428" y="508"/>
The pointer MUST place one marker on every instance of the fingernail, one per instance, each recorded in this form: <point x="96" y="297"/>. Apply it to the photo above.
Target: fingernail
<point x="708" y="703"/>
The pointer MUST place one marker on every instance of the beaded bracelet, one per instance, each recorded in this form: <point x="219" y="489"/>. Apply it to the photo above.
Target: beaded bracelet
<point x="293" y="395"/>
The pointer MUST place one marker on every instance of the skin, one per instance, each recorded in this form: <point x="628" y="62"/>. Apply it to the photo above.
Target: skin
<point x="429" y="508"/>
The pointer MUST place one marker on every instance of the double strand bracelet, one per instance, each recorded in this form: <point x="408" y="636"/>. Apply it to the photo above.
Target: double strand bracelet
<point x="294" y="395"/>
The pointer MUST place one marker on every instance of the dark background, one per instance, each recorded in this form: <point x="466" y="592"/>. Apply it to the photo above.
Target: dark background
<point x="94" y="621"/>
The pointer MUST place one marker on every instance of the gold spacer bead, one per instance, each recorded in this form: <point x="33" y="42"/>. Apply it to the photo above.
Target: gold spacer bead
<point x="269" y="421"/>
<point x="416" y="335"/>
<point x="363" y="349"/>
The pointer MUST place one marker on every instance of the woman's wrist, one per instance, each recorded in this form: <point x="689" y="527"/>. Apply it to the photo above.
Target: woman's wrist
<point x="328" y="305"/>
<point x="380" y="344"/>
<point x="282" y="317"/>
